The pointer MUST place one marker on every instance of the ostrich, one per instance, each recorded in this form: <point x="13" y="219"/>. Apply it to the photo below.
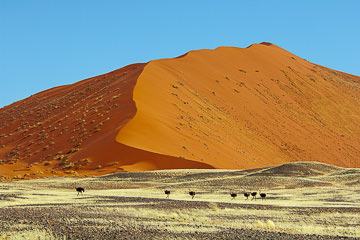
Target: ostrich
<point x="192" y="194"/>
<point x="253" y="194"/>
<point x="246" y="194"/>
<point x="80" y="190"/>
<point x="167" y="192"/>
<point x="233" y="195"/>
<point x="262" y="195"/>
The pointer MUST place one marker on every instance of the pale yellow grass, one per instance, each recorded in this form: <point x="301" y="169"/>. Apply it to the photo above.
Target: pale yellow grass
<point x="35" y="234"/>
<point x="287" y="209"/>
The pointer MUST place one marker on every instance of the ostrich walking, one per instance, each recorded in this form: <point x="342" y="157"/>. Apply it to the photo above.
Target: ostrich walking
<point x="253" y="194"/>
<point x="192" y="194"/>
<point x="246" y="194"/>
<point x="167" y="192"/>
<point x="262" y="195"/>
<point x="80" y="190"/>
<point x="233" y="195"/>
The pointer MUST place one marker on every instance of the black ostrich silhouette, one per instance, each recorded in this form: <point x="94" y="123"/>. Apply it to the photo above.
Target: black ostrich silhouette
<point x="167" y="192"/>
<point x="253" y="194"/>
<point x="233" y="195"/>
<point x="80" y="190"/>
<point x="262" y="195"/>
<point x="246" y="194"/>
<point x="192" y="194"/>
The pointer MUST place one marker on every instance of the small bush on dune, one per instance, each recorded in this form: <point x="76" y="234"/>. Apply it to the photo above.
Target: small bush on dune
<point x="68" y="166"/>
<point x="73" y="150"/>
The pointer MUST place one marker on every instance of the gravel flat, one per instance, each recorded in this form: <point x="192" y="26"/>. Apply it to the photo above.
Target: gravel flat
<point x="321" y="205"/>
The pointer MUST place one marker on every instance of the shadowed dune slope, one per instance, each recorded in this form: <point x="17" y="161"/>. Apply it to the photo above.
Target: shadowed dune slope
<point x="230" y="108"/>
<point x="71" y="130"/>
<point x="246" y="108"/>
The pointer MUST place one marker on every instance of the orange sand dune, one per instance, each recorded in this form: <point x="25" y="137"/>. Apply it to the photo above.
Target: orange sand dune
<point x="232" y="108"/>
<point x="246" y="108"/>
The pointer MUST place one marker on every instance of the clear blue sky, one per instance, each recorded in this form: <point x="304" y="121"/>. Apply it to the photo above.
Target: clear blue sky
<point x="45" y="43"/>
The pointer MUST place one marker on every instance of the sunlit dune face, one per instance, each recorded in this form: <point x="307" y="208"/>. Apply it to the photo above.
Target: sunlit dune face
<point x="245" y="108"/>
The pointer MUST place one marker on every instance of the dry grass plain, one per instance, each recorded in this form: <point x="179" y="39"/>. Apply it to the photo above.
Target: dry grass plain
<point x="304" y="201"/>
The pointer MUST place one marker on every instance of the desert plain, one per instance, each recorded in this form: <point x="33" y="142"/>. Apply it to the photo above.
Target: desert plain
<point x="305" y="200"/>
